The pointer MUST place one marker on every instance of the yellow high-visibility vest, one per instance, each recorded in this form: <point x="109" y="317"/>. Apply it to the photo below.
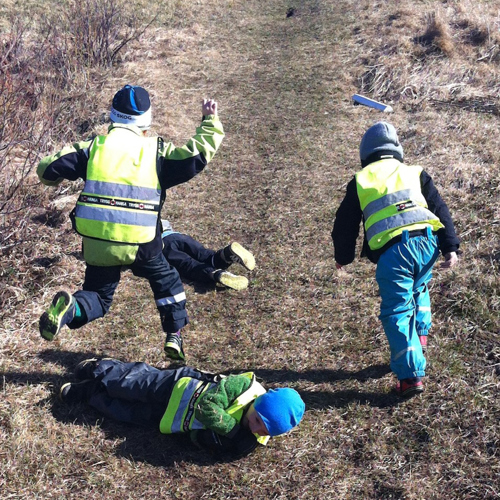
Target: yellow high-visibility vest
<point x="392" y="201"/>
<point x="180" y="413"/>
<point x="121" y="199"/>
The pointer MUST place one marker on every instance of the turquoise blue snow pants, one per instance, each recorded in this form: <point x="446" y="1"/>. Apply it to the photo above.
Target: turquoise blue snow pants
<point x="403" y="272"/>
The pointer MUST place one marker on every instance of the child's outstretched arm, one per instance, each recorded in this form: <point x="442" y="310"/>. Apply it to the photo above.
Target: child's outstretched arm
<point x="449" y="242"/>
<point x="70" y="163"/>
<point x="180" y="164"/>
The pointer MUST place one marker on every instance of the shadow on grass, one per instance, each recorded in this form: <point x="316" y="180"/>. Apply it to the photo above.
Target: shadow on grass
<point x="140" y="444"/>
<point x="204" y="287"/>
<point x="199" y="287"/>
<point x="340" y="399"/>
<point x="63" y="358"/>
<point x="322" y="375"/>
<point x="336" y="399"/>
<point x="148" y="445"/>
<point x="67" y="359"/>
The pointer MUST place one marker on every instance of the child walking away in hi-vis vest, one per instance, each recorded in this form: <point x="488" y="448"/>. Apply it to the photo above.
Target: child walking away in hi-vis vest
<point x="406" y="224"/>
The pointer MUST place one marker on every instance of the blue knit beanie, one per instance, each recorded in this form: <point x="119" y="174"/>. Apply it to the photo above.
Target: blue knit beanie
<point x="131" y="106"/>
<point x="381" y="137"/>
<point x="280" y="409"/>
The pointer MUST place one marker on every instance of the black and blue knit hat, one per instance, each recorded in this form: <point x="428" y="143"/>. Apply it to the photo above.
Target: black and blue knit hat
<point x="131" y="106"/>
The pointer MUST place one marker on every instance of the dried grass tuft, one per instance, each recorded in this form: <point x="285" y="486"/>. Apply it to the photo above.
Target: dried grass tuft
<point x="437" y="35"/>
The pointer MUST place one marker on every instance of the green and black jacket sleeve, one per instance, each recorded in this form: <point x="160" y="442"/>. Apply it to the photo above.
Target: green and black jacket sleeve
<point x="180" y="164"/>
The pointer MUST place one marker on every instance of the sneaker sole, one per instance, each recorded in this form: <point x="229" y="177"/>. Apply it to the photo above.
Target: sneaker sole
<point x="233" y="281"/>
<point x="409" y="393"/>
<point x="173" y="351"/>
<point x="50" y="321"/>
<point x="72" y="398"/>
<point x="61" y="390"/>
<point x="247" y="259"/>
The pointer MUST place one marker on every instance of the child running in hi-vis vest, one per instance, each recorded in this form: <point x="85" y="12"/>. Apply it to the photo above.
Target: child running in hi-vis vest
<point x="118" y="212"/>
<point x="406" y="224"/>
<point x="231" y="413"/>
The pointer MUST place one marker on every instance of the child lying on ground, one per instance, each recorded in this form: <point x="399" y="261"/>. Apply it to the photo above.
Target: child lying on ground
<point x="196" y="263"/>
<point x="222" y="414"/>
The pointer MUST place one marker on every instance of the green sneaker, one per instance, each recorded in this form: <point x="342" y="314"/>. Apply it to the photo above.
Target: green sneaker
<point x="173" y="346"/>
<point x="231" y="280"/>
<point x="60" y="313"/>
<point x="236" y="253"/>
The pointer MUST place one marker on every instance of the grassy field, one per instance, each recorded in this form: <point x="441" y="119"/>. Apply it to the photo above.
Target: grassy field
<point x="284" y="87"/>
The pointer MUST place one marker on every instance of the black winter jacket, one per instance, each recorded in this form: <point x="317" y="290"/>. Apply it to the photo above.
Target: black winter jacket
<point x="349" y="215"/>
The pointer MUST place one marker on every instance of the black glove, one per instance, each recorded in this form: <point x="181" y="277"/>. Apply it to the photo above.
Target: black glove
<point x="244" y="442"/>
<point x="210" y="440"/>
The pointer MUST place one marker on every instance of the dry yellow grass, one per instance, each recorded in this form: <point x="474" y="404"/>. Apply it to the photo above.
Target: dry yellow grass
<point x="283" y="86"/>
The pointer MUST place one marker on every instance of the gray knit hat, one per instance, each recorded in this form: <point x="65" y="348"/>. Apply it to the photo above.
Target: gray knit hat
<point x="380" y="137"/>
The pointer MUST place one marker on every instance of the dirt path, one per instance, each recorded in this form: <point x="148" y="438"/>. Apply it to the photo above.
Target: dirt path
<point x="284" y="102"/>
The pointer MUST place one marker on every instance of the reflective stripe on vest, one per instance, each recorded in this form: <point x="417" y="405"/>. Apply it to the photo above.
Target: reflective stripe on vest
<point x="391" y="201"/>
<point x="392" y="198"/>
<point x="179" y="416"/>
<point x="120" y="190"/>
<point x="120" y="201"/>
<point x="180" y="413"/>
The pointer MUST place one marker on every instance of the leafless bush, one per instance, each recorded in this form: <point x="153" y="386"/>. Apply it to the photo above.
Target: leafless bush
<point x="44" y="78"/>
<point x="22" y="128"/>
<point x="92" y="33"/>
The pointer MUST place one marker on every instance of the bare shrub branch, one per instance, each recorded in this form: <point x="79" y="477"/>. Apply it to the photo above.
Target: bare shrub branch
<point x="96" y="38"/>
<point x="44" y="81"/>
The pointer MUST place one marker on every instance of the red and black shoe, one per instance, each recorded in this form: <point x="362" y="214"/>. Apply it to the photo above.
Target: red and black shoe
<point x="409" y="387"/>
